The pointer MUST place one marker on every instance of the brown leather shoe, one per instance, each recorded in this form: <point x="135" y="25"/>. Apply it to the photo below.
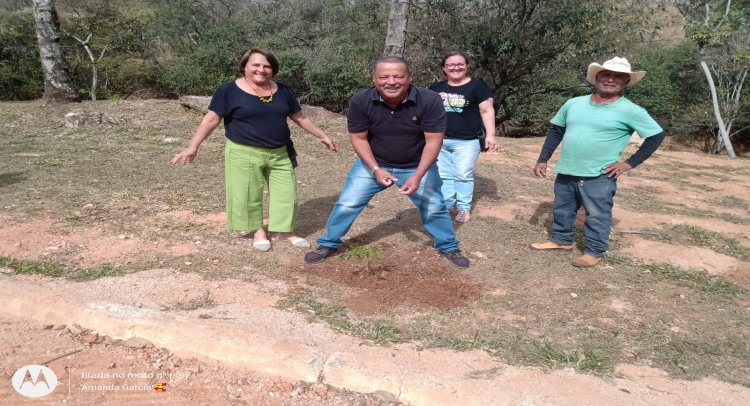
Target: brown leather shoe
<point x="585" y="261"/>
<point x="549" y="246"/>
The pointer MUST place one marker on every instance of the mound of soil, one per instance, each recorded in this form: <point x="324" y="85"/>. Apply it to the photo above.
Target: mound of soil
<point x="397" y="276"/>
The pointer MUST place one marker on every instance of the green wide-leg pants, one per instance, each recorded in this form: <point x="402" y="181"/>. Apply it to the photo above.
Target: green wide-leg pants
<point x="247" y="168"/>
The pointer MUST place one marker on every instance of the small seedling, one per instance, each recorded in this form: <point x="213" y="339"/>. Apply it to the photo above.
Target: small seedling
<point x="361" y="252"/>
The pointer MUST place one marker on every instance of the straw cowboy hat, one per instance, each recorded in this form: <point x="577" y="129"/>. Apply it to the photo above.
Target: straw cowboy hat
<point x="615" y="65"/>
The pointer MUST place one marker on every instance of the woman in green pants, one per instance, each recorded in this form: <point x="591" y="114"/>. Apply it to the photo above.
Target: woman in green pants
<point x="259" y="149"/>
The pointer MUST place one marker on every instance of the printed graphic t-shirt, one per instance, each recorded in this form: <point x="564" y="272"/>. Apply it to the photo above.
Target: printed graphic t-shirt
<point x="462" y="106"/>
<point x="596" y="134"/>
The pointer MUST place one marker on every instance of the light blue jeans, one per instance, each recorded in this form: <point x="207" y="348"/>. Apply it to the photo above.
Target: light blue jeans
<point x="596" y="195"/>
<point x="361" y="186"/>
<point x="456" y="163"/>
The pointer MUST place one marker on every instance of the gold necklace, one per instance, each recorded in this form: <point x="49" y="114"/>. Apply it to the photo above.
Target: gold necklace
<point x="261" y="98"/>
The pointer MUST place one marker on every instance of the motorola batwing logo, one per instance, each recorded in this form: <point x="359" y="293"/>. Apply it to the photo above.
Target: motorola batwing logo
<point x="34" y="381"/>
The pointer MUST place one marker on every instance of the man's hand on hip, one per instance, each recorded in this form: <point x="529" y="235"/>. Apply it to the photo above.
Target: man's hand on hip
<point x="616" y="169"/>
<point x="384" y="177"/>
<point x="540" y="170"/>
<point x="410" y="186"/>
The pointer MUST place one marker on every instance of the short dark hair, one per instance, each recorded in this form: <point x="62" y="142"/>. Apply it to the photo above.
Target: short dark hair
<point x="391" y="59"/>
<point x="454" y="53"/>
<point x="269" y="56"/>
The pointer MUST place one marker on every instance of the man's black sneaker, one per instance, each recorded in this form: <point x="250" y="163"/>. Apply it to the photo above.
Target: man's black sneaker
<point x="320" y="254"/>
<point x="455" y="258"/>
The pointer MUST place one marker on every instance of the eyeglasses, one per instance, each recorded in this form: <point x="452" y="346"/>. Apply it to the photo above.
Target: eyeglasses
<point x="455" y="65"/>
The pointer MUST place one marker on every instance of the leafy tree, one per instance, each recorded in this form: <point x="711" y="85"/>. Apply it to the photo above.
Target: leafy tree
<point x="517" y="46"/>
<point x="674" y="86"/>
<point x="21" y="76"/>
<point x="111" y="38"/>
<point x="721" y="29"/>
<point x="324" y="47"/>
<point x="14" y="5"/>
<point x="533" y="53"/>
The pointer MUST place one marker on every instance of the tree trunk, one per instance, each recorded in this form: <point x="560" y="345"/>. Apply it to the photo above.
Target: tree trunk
<point x="57" y="83"/>
<point x="395" y="39"/>
<point x="717" y="113"/>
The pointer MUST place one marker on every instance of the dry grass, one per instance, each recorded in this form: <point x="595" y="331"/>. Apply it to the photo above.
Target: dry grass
<point x="692" y="326"/>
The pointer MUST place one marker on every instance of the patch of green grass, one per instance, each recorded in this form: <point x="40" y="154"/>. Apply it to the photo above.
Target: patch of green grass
<point x="700" y="237"/>
<point x="732" y="202"/>
<point x="693" y="359"/>
<point x="23" y="267"/>
<point x="699" y="213"/>
<point x="586" y="359"/>
<point x="379" y="331"/>
<point x="682" y="167"/>
<point x="53" y="161"/>
<point x="465" y="344"/>
<point x="730" y="170"/>
<point x="382" y="332"/>
<point x="735" y="219"/>
<point x="593" y="360"/>
<point x="615" y="259"/>
<point x="682" y="180"/>
<point x="551" y="354"/>
<point x="100" y="271"/>
<point x="642" y="199"/>
<point x="700" y="280"/>
<point x="700" y="186"/>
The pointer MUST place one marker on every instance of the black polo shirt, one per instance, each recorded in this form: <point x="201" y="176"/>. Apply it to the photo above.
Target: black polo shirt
<point x="396" y="136"/>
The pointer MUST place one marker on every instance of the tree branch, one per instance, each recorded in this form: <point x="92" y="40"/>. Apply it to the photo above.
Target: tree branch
<point x="708" y="13"/>
<point x="724" y="17"/>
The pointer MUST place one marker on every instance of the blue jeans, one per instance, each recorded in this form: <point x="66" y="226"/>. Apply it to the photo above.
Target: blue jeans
<point x="361" y="186"/>
<point x="456" y="164"/>
<point x="596" y="195"/>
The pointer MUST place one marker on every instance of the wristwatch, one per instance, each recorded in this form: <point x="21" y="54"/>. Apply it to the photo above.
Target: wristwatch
<point x="375" y="168"/>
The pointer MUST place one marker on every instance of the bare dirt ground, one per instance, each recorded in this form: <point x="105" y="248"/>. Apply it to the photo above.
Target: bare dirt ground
<point x="90" y="209"/>
<point x="99" y="364"/>
<point x="100" y="370"/>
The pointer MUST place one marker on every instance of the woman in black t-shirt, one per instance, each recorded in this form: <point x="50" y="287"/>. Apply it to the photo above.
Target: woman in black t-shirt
<point x="468" y="104"/>
<point x="259" y="148"/>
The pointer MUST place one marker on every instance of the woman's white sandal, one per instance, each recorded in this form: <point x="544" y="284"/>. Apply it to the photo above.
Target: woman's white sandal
<point x="263" y="245"/>
<point x="300" y="242"/>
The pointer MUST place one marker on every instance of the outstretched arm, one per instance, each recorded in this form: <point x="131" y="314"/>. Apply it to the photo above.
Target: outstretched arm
<point x="209" y="123"/>
<point x="304" y="122"/>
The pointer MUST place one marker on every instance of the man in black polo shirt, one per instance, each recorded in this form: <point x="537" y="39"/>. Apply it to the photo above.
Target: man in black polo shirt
<point x="396" y="130"/>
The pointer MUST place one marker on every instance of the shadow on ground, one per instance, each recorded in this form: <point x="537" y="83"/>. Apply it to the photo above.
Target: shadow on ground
<point x="7" y="179"/>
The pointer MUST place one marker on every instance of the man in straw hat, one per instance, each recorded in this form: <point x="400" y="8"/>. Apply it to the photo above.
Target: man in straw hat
<point x="594" y="131"/>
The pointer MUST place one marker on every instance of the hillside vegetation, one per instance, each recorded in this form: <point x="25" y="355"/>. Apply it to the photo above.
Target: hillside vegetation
<point x="532" y="53"/>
